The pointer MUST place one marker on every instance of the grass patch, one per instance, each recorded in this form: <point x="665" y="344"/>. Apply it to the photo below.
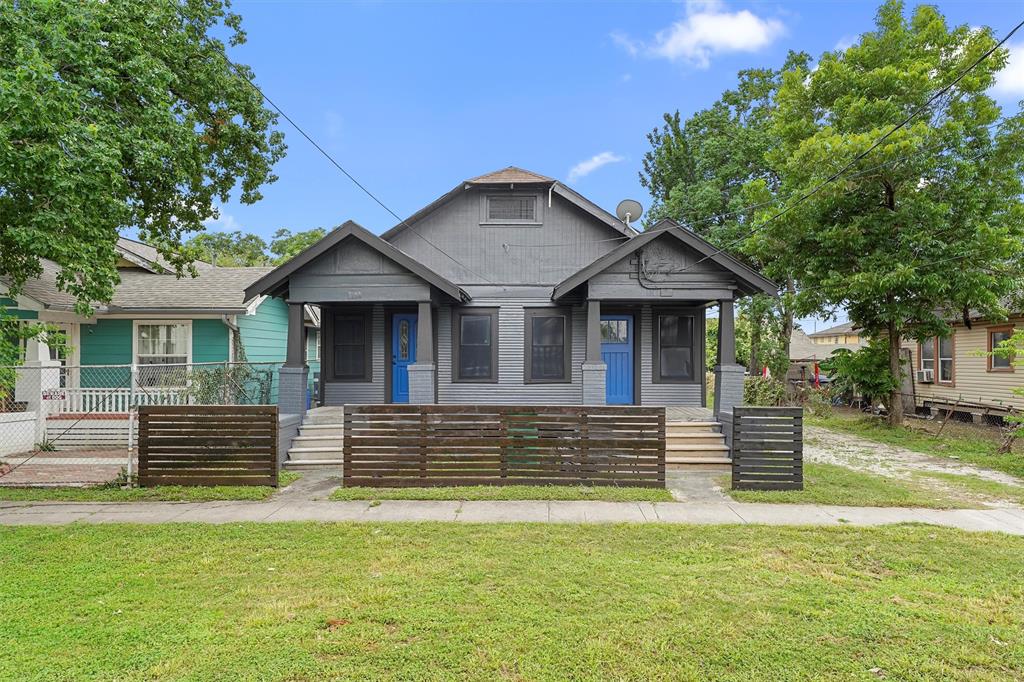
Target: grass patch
<point x="839" y="485"/>
<point x="508" y="492"/>
<point x="981" y="488"/>
<point x="447" y="601"/>
<point x="165" y="493"/>
<point x="975" y="449"/>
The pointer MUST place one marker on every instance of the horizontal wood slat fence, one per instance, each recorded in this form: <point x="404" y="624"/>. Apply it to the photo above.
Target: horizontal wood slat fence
<point x="207" y="445"/>
<point x="767" y="448"/>
<point x="453" y="445"/>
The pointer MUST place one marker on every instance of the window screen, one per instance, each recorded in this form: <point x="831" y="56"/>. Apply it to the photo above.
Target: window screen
<point x="512" y="209"/>
<point x="928" y="354"/>
<point x="675" y="347"/>
<point x="476" y="359"/>
<point x="350" y="347"/>
<point x="548" y="349"/>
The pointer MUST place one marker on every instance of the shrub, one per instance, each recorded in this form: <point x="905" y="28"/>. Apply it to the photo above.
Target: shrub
<point x="763" y="391"/>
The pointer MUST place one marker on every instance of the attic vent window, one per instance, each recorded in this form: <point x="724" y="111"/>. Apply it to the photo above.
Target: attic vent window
<point x="512" y="209"/>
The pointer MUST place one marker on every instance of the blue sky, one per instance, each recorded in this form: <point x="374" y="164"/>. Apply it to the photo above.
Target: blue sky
<point x="413" y="97"/>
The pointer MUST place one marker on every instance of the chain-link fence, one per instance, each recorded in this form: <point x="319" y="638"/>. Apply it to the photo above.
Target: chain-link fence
<point x="76" y="425"/>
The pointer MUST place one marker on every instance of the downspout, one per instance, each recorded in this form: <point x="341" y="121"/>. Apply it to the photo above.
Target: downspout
<point x="235" y="336"/>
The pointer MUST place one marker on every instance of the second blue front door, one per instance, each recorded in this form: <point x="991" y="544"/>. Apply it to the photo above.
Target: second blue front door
<point x="403" y="354"/>
<point x="617" y="354"/>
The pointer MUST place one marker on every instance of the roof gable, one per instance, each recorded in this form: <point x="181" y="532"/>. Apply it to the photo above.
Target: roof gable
<point x="749" y="280"/>
<point x="275" y="282"/>
<point x="511" y="175"/>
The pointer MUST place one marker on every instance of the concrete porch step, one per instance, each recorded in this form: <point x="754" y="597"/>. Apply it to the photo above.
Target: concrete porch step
<point x="695" y="438"/>
<point x="314" y="453"/>
<point x="318" y="441"/>
<point x="696" y="447"/>
<point x="322" y="430"/>
<point x="688" y="425"/>
<point x="313" y="464"/>
<point x="723" y="464"/>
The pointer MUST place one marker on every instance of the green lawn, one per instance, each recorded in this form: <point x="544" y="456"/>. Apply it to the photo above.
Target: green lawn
<point x="834" y="484"/>
<point x="838" y="485"/>
<point x="975" y="450"/>
<point x="447" y="601"/>
<point x="166" y="493"/>
<point x="508" y="492"/>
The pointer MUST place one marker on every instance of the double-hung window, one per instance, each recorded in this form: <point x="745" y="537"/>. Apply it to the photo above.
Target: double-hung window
<point x="548" y="345"/>
<point x="475" y="345"/>
<point x="937" y="354"/>
<point x="162" y="351"/>
<point x="674" y="348"/>
<point x="1001" y="362"/>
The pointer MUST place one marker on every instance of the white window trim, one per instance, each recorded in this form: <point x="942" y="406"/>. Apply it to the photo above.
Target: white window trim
<point x="166" y="321"/>
<point x="317" y="344"/>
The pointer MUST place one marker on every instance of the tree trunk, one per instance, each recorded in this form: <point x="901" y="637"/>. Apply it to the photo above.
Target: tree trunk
<point x="895" y="405"/>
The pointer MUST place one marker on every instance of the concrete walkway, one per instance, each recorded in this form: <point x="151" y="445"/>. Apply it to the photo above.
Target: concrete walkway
<point x="284" y="509"/>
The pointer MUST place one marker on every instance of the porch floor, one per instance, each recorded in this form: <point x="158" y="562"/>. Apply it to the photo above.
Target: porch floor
<point x="674" y="413"/>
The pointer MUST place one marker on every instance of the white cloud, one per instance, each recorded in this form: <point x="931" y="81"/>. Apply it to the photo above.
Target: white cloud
<point x="223" y="222"/>
<point x="845" y="43"/>
<point x="588" y="166"/>
<point x="707" y="29"/>
<point x="1010" y="81"/>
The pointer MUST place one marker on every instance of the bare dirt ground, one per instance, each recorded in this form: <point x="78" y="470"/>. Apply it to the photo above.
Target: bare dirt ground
<point x="833" y="447"/>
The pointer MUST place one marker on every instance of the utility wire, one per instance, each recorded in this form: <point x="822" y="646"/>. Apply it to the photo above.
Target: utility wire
<point x="835" y="176"/>
<point x="238" y="72"/>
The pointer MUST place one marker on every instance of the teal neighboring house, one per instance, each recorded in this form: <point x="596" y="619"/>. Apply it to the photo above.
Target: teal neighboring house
<point x="156" y="318"/>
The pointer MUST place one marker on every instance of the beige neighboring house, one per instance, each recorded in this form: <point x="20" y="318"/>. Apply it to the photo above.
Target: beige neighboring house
<point x="806" y="349"/>
<point x="957" y="372"/>
<point x="839" y="336"/>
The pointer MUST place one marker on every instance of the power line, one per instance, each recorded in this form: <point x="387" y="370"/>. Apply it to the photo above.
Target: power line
<point x="835" y="176"/>
<point x="326" y="155"/>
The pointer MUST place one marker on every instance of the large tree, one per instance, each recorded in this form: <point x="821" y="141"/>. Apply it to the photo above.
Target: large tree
<point x="285" y="245"/>
<point x="930" y="221"/>
<point x="230" y="249"/>
<point x="117" y="115"/>
<point x="696" y="171"/>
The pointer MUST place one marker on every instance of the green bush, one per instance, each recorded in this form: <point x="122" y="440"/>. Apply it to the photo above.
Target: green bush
<point x="763" y="391"/>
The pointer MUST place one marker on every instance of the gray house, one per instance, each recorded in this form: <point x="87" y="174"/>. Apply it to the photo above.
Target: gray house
<point x="513" y="289"/>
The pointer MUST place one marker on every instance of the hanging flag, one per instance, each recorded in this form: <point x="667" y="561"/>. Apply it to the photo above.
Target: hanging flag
<point x="817" y="376"/>
<point x="766" y="373"/>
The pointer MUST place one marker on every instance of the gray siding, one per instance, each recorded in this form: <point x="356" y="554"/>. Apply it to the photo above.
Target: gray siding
<point x="511" y="387"/>
<point x="663" y="269"/>
<point x="668" y="394"/>
<point x="353" y="271"/>
<point x="341" y="392"/>
<point x="566" y="240"/>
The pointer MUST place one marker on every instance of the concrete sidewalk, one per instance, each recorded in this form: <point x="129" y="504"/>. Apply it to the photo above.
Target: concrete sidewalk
<point x="1008" y="520"/>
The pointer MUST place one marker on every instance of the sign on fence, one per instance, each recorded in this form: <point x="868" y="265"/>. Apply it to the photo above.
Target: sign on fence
<point x="207" y="445"/>
<point x="443" y="445"/>
<point x="767" y="448"/>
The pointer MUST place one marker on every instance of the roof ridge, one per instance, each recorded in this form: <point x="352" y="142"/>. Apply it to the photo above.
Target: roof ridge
<point x="509" y="174"/>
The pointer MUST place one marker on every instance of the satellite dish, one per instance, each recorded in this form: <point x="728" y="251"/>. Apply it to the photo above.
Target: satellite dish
<point x="628" y="211"/>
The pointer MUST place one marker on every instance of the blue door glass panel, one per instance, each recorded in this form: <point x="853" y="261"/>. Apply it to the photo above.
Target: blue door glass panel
<point x="617" y="354"/>
<point x="403" y="354"/>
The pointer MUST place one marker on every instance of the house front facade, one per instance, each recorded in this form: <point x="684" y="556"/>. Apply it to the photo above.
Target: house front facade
<point x="513" y="289"/>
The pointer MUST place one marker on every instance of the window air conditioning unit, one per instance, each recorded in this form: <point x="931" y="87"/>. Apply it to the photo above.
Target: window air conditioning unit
<point x="925" y="376"/>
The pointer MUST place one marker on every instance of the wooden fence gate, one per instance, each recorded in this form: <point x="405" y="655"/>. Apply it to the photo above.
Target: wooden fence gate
<point x="207" y="445"/>
<point x="767" y="448"/>
<point x="444" y="445"/>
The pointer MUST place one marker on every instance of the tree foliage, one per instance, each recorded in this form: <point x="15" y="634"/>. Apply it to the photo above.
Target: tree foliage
<point x="230" y="249"/>
<point x="285" y="245"/>
<point x="863" y="372"/>
<point x="930" y="221"/>
<point x="697" y="171"/>
<point x="117" y="115"/>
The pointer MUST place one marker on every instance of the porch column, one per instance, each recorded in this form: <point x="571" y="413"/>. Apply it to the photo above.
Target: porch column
<point x="422" y="372"/>
<point x="594" y="370"/>
<point x="728" y="375"/>
<point x="294" y="374"/>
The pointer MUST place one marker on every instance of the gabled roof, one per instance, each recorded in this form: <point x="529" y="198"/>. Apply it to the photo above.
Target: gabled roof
<point x="510" y="175"/>
<point x="751" y="280"/>
<point x="515" y="176"/>
<point x="802" y="348"/>
<point x="844" y="328"/>
<point x="275" y="282"/>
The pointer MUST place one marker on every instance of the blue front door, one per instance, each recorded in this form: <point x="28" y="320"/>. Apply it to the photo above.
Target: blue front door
<point x="403" y="354"/>
<point x="617" y="353"/>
